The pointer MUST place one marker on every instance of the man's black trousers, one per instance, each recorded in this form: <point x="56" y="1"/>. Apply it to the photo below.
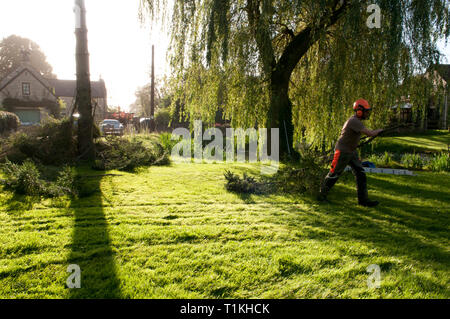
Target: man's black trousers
<point x="340" y="161"/>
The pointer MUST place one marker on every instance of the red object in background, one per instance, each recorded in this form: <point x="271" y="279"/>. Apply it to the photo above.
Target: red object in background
<point x="122" y="117"/>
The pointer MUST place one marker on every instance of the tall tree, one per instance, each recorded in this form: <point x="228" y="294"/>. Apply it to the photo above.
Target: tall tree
<point x="11" y="56"/>
<point x="83" y="98"/>
<point x="296" y="64"/>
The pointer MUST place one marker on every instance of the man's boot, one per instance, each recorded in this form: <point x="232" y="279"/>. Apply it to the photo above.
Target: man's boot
<point x="361" y="185"/>
<point x="327" y="184"/>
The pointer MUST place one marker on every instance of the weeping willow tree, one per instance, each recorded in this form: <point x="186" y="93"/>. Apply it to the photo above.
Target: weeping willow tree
<point x="298" y="65"/>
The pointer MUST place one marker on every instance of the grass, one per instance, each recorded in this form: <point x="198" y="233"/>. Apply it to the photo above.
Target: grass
<point x="175" y="232"/>
<point x="426" y="142"/>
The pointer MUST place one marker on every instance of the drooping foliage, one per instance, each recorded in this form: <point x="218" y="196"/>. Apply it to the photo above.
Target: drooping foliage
<point x="226" y="54"/>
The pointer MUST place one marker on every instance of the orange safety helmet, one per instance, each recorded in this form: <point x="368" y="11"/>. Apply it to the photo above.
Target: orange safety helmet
<point x="360" y="106"/>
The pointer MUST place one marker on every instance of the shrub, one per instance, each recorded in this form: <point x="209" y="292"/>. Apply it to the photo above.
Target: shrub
<point x="412" y="161"/>
<point x="54" y="106"/>
<point x="53" y="143"/>
<point x="26" y="179"/>
<point x="440" y="163"/>
<point x="384" y="160"/>
<point x="166" y="141"/>
<point x="22" y="179"/>
<point x="162" y="120"/>
<point x="8" y="122"/>
<point x="124" y="154"/>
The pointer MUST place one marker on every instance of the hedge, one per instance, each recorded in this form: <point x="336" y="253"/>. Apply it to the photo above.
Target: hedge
<point x="8" y="122"/>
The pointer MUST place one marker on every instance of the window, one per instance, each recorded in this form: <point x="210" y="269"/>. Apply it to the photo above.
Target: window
<point x="25" y="89"/>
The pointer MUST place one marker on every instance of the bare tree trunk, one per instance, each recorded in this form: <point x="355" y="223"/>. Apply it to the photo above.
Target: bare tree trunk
<point x="83" y="98"/>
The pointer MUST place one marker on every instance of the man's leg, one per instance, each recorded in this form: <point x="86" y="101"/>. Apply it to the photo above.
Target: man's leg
<point x="361" y="182"/>
<point x="340" y="161"/>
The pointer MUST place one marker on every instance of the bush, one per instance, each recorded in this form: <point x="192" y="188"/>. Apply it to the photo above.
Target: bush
<point x="412" y="161"/>
<point x="26" y="179"/>
<point x="167" y="142"/>
<point x="440" y="163"/>
<point x="124" y="154"/>
<point x="53" y="106"/>
<point x="53" y="143"/>
<point x="384" y="160"/>
<point x="162" y="120"/>
<point x="8" y="122"/>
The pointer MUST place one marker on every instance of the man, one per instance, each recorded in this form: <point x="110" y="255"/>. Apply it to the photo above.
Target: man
<point x="346" y="154"/>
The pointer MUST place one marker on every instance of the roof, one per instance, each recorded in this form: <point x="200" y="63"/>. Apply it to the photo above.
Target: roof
<point x="62" y="88"/>
<point x="17" y="72"/>
<point x="68" y="88"/>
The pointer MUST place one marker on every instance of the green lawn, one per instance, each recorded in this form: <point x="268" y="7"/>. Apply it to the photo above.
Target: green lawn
<point x="175" y="232"/>
<point x="429" y="141"/>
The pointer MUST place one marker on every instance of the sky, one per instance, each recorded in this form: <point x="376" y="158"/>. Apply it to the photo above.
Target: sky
<point x="119" y="44"/>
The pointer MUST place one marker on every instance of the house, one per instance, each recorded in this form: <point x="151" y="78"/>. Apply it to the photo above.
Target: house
<point x="33" y="98"/>
<point x="438" y="106"/>
<point x="26" y="93"/>
<point x="66" y="91"/>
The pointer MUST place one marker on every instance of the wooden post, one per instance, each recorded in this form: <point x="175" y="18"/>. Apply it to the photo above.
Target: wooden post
<point x="83" y="97"/>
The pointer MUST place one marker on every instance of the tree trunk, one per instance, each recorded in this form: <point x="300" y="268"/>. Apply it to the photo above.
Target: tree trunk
<point x="280" y="111"/>
<point x="86" y="121"/>
<point x="280" y="114"/>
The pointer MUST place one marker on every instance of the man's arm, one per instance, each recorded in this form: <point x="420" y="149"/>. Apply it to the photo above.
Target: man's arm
<point x="371" y="133"/>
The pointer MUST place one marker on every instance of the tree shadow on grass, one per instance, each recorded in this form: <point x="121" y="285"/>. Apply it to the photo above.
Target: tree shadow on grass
<point x="439" y="190"/>
<point x="91" y="246"/>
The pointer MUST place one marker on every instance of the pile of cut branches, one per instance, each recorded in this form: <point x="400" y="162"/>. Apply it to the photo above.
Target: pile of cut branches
<point x="303" y="177"/>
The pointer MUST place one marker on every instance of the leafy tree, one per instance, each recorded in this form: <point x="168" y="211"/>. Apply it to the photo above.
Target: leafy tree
<point x="297" y="65"/>
<point x="11" y="56"/>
